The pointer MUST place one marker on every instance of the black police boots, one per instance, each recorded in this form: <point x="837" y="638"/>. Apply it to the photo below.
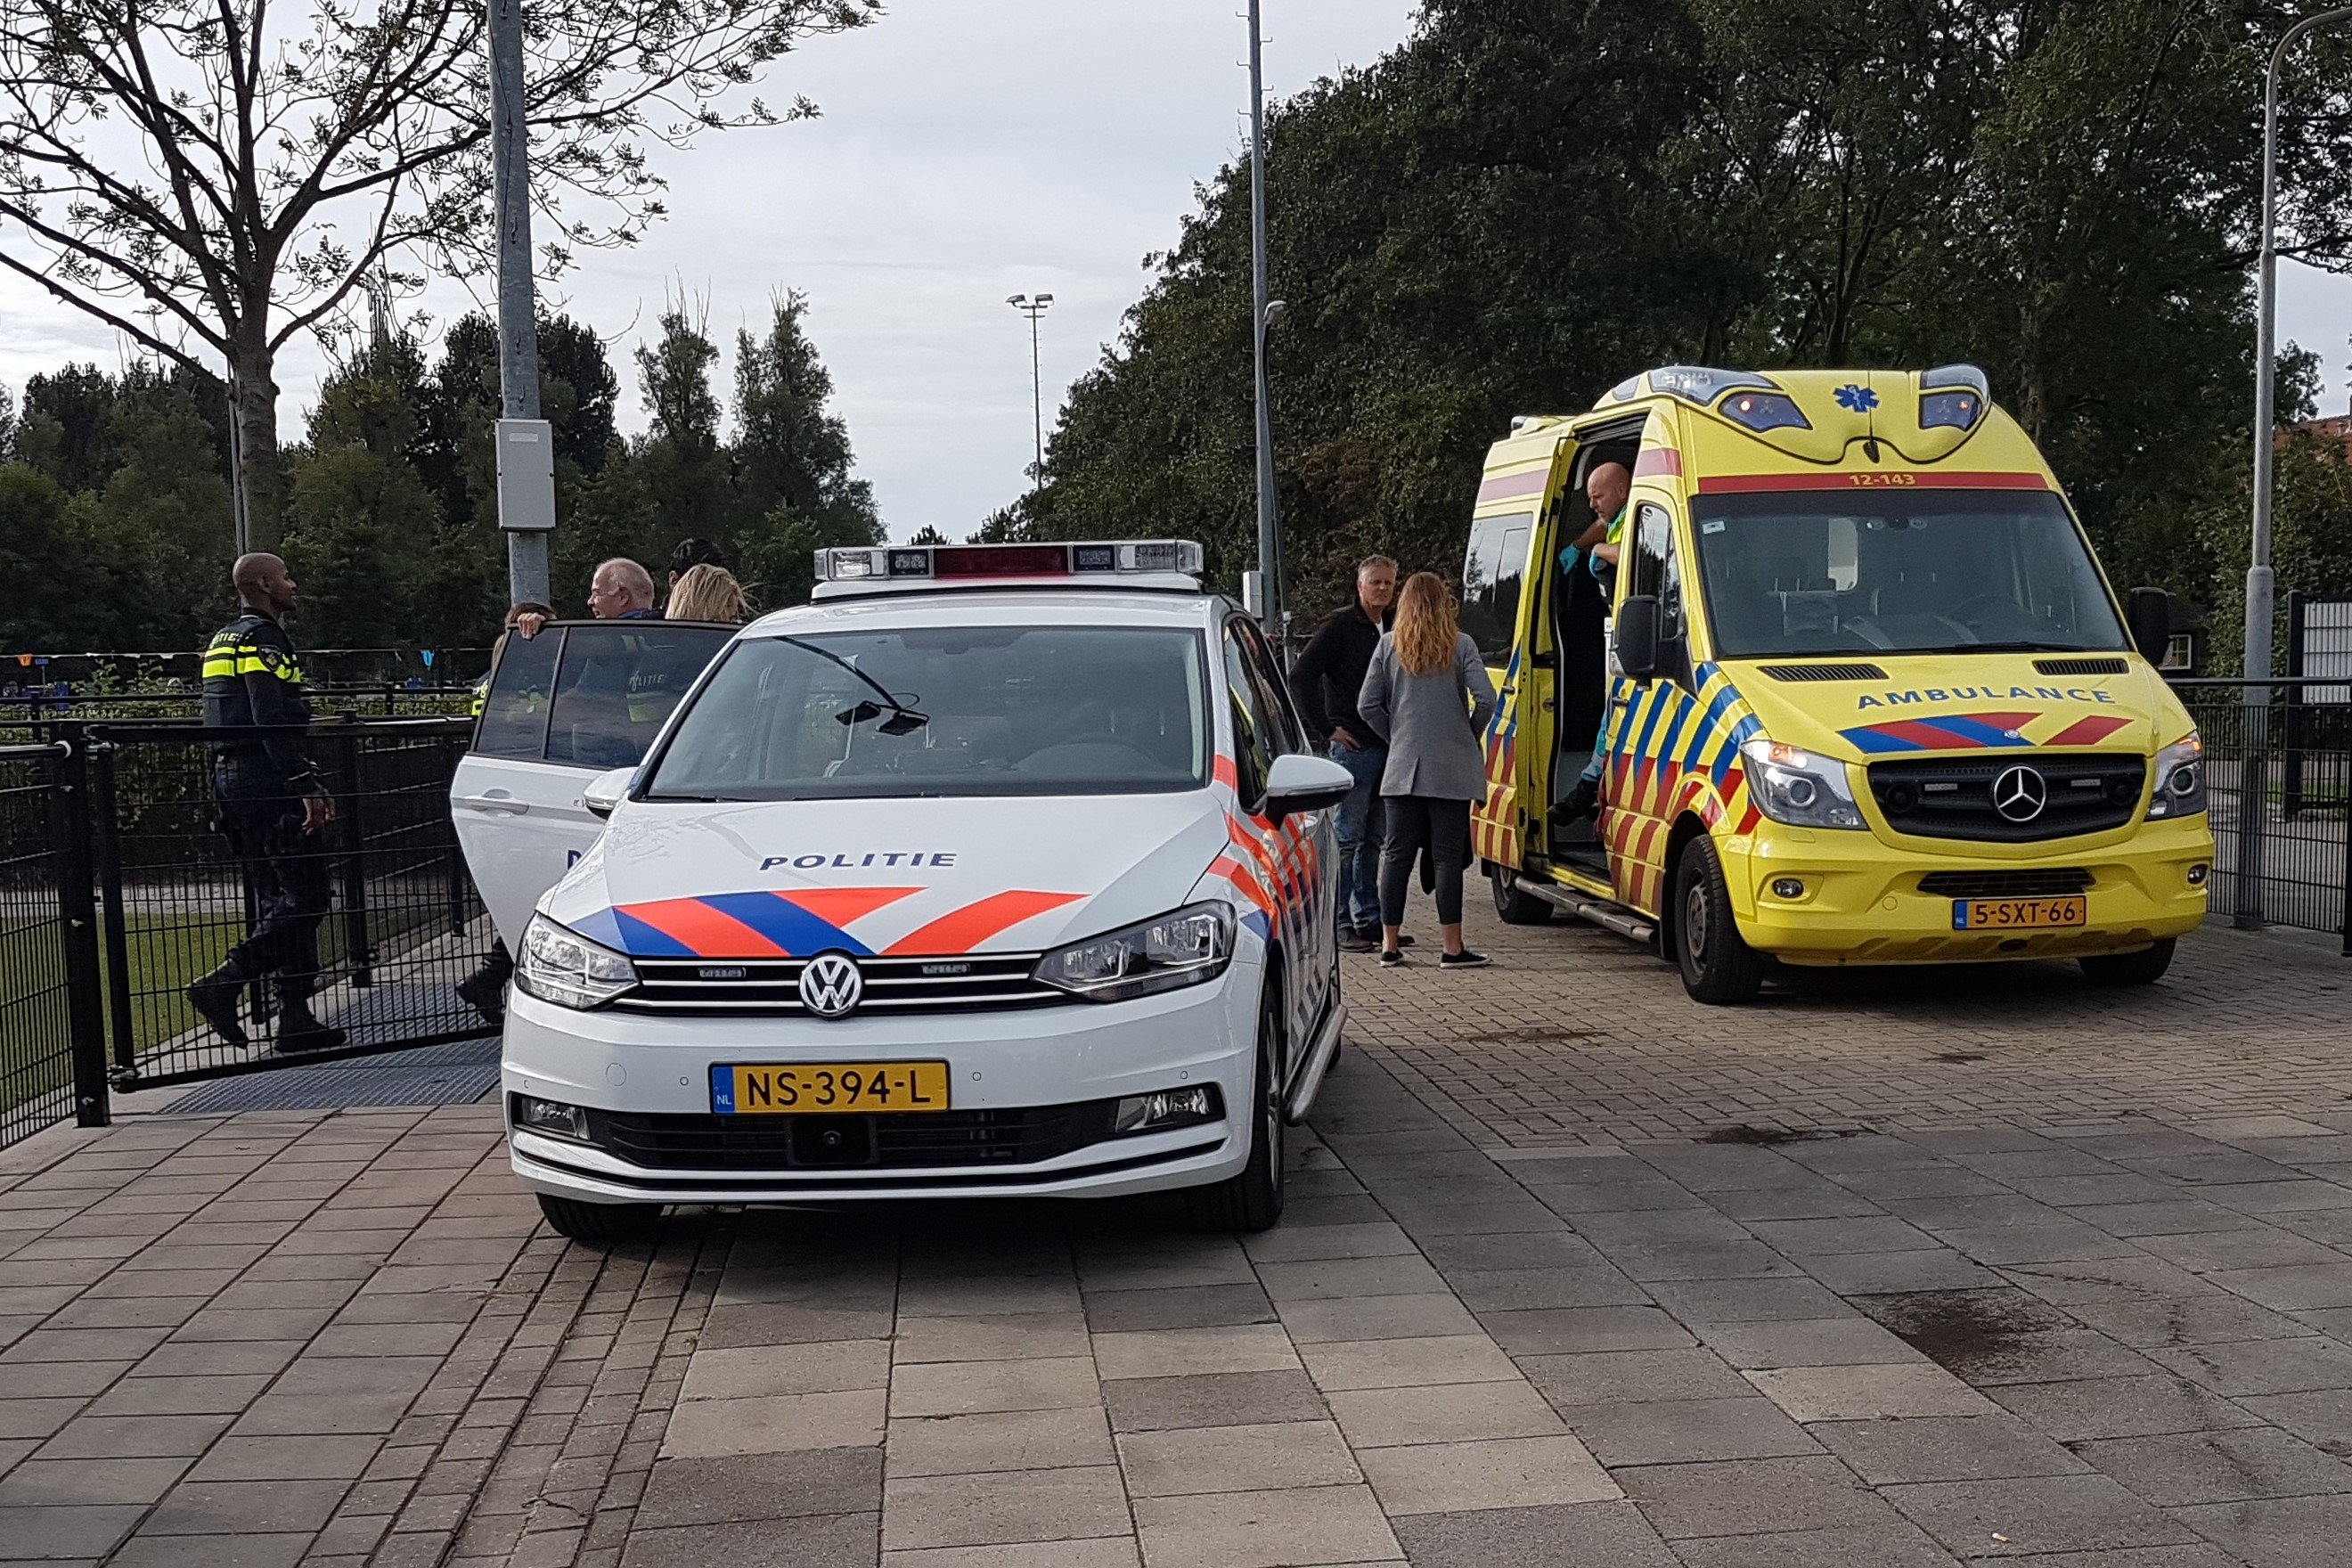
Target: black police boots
<point x="213" y="996"/>
<point x="298" y="1028"/>
<point x="485" y="990"/>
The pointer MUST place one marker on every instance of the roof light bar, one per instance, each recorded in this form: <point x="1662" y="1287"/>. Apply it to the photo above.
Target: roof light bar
<point x="908" y="564"/>
<point x="1952" y="396"/>
<point x="1703" y="385"/>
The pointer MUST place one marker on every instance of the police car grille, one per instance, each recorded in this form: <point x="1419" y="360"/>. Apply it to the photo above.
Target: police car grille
<point x="2053" y="883"/>
<point x="1952" y="797"/>
<point x="931" y="1140"/>
<point x="892" y="985"/>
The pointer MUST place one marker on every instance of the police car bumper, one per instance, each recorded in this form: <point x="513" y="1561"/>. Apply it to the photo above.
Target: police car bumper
<point x="1037" y="1099"/>
<point x="1822" y="898"/>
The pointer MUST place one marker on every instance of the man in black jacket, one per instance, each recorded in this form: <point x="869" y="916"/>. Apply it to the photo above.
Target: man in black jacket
<point x="273" y="809"/>
<point x="1325" y="682"/>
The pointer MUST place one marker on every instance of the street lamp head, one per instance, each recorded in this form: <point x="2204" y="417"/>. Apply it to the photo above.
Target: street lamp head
<point x="1017" y="300"/>
<point x="1044" y="299"/>
<point x="1274" y="310"/>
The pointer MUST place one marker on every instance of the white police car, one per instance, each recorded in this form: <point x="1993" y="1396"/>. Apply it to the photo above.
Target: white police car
<point x="994" y="870"/>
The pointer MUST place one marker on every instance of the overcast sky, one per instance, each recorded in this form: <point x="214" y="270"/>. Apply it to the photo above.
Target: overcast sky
<point x="967" y="151"/>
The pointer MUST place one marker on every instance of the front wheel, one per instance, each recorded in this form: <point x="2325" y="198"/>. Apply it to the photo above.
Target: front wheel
<point x="1251" y="1200"/>
<point x="1514" y="904"/>
<point x="1718" y="967"/>
<point x="2145" y="967"/>
<point x="599" y="1223"/>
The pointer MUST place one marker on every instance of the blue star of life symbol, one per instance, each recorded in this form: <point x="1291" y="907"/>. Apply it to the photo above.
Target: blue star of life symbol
<point x="1859" y="399"/>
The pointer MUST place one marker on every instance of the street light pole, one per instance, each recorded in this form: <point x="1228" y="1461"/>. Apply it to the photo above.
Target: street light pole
<point x="2253" y="799"/>
<point x="1269" y="559"/>
<point x="1033" y="309"/>
<point x="527" y="573"/>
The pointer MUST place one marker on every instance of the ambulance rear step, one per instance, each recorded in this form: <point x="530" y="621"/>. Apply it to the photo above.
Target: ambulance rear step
<point x="1600" y="911"/>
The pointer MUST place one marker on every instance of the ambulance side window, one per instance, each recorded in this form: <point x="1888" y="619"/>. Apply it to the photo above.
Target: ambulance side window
<point x="1256" y="740"/>
<point x="1491" y="574"/>
<point x="1657" y="568"/>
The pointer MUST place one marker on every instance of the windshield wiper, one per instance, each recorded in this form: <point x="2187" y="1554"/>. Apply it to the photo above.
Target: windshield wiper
<point x="2020" y="646"/>
<point x="903" y="720"/>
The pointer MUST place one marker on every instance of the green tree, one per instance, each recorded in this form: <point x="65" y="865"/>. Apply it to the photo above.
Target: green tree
<point x="795" y="490"/>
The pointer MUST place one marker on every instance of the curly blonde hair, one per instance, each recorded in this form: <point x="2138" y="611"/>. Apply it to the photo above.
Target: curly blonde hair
<point x="1427" y="629"/>
<point x="706" y="593"/>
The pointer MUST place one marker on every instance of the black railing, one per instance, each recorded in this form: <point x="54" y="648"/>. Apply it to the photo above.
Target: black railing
<point x="2278" y="763"/>
<point x="118" y="888"/>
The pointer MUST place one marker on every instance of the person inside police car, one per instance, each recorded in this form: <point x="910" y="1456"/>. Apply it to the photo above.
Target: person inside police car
<point x="1427" y="696"/>
<point x="273" y="809"/>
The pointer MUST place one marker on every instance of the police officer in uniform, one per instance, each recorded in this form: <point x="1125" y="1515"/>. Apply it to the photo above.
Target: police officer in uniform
<point x="272" y="809"/>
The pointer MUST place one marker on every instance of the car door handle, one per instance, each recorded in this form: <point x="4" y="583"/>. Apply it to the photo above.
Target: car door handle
<point x="496" y="805"/>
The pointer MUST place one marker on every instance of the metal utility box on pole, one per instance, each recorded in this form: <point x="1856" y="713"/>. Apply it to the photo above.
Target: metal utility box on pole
<point x="1270" y="562"/>
<point x="527" y="509"/>
<point x="2253" y="769"/>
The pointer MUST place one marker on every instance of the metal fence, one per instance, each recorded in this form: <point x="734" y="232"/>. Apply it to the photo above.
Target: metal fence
<point x="2279" y="778"/>
<point x="118" y="888"/>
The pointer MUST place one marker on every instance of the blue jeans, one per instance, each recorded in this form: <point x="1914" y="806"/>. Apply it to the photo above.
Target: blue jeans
<point x="1360" y="828"/>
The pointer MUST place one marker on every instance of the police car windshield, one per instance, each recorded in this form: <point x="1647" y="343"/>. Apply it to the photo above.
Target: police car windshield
<point x="1898" y="571"/>
<point x="1008" y="710"/>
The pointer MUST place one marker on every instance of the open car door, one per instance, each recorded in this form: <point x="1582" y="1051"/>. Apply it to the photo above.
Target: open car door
<point x="579" y="698"/>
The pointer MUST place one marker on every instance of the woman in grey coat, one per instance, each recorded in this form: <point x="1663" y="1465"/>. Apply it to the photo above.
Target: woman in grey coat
<point x="1427" y="695"/>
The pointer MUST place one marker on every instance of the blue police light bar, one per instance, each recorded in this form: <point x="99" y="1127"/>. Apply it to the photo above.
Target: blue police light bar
<point x="908" y="566"/>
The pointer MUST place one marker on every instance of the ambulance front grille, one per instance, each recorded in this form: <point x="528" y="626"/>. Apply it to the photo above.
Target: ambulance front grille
<point x="1952" y="797"/>
<point x="768" y="987"/>
<point x="2080" y="667"/>
<point x="1823" y="671"/>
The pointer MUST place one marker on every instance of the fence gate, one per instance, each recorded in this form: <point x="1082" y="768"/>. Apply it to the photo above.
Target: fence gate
<point x="2317" y="763"/>
<point x="117" y="889"/>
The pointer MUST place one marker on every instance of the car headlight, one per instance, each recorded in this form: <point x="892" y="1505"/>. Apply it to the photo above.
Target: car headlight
<point x="558" y="964"/>
<point x="1799" y="788"/>
<point x="2179" y="779"/>
<point x="1184" y="948"/>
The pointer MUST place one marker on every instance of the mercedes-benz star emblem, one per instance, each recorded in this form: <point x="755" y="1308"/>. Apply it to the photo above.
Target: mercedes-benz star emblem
<point x="2019" y="794"/>
<point x="831" y="986"/>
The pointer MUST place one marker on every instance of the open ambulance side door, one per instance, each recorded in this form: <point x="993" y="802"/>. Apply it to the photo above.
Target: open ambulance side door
<point x="1512" y="543"/>
<point x="580" y="697"/>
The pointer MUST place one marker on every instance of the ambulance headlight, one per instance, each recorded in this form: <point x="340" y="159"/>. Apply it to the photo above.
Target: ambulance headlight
<point x="1184" y="948"/>
<point x="558" y="964"/>
<point x="1798" y="788"/>
<point x="2179" y="779"/>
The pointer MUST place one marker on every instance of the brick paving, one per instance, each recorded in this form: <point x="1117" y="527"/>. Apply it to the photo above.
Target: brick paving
<point x="1883" y="1271"/>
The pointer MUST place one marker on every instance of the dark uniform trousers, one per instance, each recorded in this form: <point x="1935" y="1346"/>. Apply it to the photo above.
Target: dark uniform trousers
<point x="252" y="680"/>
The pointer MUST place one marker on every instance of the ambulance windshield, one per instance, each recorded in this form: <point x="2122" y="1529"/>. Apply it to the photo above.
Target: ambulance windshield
<point x="980" y="711"/>
<point x="1898" y="571"/>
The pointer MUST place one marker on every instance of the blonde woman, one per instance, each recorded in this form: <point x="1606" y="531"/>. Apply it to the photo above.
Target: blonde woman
<point x="706" y="593"/>
<point x="1427" y="695"/>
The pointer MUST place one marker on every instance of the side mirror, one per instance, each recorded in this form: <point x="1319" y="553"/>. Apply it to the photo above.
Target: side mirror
<point x="1298" y="783"/>
<point x="2151" y="623"/>
<point x="1637" y="636"/>
<point x="606" y="790"/>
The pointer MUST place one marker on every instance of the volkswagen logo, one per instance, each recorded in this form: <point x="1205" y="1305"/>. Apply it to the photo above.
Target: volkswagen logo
<point x="832" y="985"/>
<point x="2019" y="794"/>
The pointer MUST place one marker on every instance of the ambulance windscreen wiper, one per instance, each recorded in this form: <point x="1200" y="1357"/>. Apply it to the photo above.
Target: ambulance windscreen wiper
<point x="903" y="720"/>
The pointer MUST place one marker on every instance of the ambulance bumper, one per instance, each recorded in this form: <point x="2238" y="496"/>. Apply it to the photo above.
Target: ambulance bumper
<point x="1030" y="1112"/>
<point x="1861" y="902"/>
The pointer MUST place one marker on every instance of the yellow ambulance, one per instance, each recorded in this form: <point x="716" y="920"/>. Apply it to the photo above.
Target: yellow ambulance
<point x="1853" y="691"/>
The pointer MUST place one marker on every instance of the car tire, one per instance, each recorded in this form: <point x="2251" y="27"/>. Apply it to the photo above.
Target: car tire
<point x="2145" y="967"/>
<point x="1718" y="967"/>
<point x="1251" y="1199"/>
<point x="1515" y="907"/>
<point x="599" y="1223"/>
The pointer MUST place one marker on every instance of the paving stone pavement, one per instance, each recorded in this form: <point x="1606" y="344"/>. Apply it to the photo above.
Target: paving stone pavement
<point x="1882" y="1271"/>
